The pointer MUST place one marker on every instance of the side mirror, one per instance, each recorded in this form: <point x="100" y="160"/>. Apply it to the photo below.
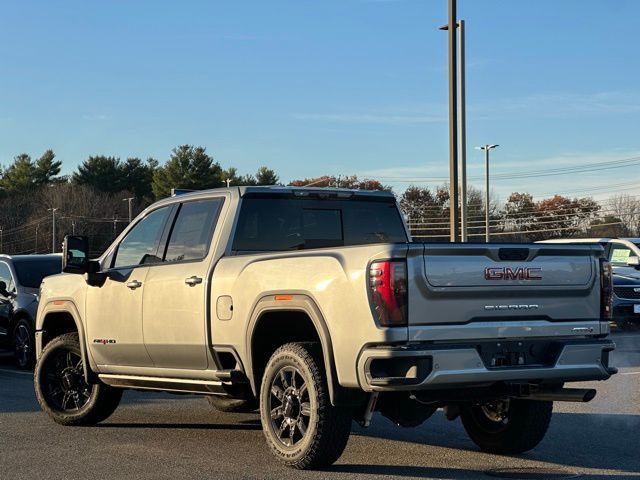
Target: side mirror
<point x="3" y="289"/>
<point x="633" y="261"/>
<point x="75" y="254"/>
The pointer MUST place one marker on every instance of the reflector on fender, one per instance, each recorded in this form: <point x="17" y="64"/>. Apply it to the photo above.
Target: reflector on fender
<point x="284" y="297"/>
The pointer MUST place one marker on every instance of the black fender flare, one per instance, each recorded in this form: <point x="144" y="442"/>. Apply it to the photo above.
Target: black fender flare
<point x="297" y="303"/>
<point x="69" y="308"/>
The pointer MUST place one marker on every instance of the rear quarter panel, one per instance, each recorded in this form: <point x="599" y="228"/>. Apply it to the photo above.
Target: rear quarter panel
<point x="336" y="281"/>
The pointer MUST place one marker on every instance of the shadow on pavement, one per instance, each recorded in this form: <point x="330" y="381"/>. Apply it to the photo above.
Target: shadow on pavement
<point x="446" y="473"/>
<point x="184" y="426"/>
<point x="585" y="439"/>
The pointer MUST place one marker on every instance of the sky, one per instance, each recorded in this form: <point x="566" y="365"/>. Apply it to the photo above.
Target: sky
<point x="336" y="87"/>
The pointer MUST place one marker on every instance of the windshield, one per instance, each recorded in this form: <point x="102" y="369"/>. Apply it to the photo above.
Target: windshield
<point x="30" y="272"/>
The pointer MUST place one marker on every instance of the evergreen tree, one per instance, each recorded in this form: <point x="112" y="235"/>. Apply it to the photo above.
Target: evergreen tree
<point x="46" y="168"/>
<point x="137" y="176"/>
<point x="102" y="173"/>
<point x="189" y="167"/>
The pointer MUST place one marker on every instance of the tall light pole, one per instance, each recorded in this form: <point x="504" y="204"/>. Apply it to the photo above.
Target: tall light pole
<point x="129" y="199"/>
<point x="463" y="137"/>
<point x="53" y="228"/>
<point x="454" y="213"/>
<point x="486" y="148"/>
<point x="454" y="188"/>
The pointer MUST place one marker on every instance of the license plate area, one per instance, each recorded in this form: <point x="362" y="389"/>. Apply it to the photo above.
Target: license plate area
<point x="519" y="353"/>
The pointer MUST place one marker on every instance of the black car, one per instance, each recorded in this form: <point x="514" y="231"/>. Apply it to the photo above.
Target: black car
<point x="20" y="278"/>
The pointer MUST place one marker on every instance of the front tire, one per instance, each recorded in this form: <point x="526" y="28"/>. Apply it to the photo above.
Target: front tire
<point x="302" y="428"/>
<point x="507" y="426"/>
<point x="62" y="390"/>
<point x="24" y="345"/>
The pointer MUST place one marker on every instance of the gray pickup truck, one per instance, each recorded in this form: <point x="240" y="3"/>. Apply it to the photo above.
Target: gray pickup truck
<point x="314" y="307"/>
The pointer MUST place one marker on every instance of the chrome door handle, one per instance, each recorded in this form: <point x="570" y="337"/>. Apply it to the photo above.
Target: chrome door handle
<point x="134" y="284"/>
<point x="193" y="281"/>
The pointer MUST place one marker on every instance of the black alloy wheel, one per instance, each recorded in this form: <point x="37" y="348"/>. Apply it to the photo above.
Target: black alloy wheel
<point x="62" y="389"/>
<point x="23" y="345"/>
<point x="66" y="389"/>
<point x="290" y="406"/>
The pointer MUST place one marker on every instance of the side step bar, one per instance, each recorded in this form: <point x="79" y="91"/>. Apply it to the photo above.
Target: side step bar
<point x="181" y="385"/>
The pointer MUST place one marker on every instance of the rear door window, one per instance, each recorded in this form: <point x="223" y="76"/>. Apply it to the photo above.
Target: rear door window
<point x="191" y="233"/>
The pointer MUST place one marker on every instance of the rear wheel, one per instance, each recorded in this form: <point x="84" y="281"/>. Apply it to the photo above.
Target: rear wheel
<point x="61" y="388"/>
<point x="507" y="426"/>
<point x="23" y="344"/>
<point x="301" y="426"/>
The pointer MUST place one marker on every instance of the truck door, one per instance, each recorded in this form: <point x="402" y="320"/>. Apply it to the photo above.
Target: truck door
<point x="175" y="292"/>
<point x="114" y="310"/>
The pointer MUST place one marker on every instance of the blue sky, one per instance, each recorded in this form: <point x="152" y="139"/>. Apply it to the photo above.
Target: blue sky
<point x="333" y="87"/>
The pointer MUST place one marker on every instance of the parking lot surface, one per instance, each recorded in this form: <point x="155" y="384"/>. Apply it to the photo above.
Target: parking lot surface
<point x="162" y="436"/>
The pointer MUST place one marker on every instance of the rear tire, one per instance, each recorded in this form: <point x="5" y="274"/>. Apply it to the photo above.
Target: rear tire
<point x="24" y="344"/>
<point x="302" y="428"/>
<point x="232" y="405"/>
<point x="515" y="429"/>
<point x="62" y="390"/>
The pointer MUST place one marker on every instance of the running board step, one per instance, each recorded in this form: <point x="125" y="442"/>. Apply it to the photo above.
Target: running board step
<point x="235" y="376"/>
<point x="210" y="387"/>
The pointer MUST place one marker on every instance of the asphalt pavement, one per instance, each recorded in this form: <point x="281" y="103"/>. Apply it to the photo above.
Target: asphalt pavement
<point x="162" y="436"/>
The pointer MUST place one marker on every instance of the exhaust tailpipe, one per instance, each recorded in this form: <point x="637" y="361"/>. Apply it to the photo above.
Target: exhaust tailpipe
<point x="564" y="395"/>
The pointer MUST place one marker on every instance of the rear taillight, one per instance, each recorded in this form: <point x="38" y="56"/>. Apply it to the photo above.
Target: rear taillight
<point x="388" y="283"/>
<point x="606" y="289"/>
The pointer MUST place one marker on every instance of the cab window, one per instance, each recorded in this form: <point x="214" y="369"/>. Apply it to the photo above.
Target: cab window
<point x="619" y="255"/>
<point x="192" y="230"/>
<point x="140" y="246"/>
<point x="5" y="276"/>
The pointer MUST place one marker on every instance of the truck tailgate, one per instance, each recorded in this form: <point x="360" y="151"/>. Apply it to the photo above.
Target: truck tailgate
<point x="467" y="283"/>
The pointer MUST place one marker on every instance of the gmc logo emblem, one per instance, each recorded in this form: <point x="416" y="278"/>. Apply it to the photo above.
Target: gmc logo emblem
<point x="509" y="273"/>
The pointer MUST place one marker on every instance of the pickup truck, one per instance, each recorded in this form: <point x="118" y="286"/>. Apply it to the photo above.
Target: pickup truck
<point x="314" y="307"/>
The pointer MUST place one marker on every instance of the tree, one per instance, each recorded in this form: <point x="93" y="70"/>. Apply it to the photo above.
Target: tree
<point x="46" y="168"/>
<point x="137" y="176"/>
<point x="561" y="216"/>
<point x="627" y="208"/>
<point x="351" y="182"/>
<point x="24" y="174"/>
<point x="519" y="213"/>
<point x="100" y="172"/>
<point x="266" y="176"/>
<point x="608" y="226"/>
<point x="189" y="167"/>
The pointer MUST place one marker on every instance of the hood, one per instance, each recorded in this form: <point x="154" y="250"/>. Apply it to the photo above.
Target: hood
<point x="628" y="276"/>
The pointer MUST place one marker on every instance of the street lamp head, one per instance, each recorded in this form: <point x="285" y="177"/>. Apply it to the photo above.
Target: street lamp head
<point x="487" y="147"/>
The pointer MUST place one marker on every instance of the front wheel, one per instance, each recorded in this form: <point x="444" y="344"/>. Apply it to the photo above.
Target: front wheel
<point x="61" y="388"/>
<point x="301" y="426"/>
<point x="507" y="426"/>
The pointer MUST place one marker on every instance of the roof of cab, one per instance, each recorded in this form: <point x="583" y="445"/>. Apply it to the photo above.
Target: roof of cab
<point x="38" y="256"/>
<point x="301" y="191"/>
